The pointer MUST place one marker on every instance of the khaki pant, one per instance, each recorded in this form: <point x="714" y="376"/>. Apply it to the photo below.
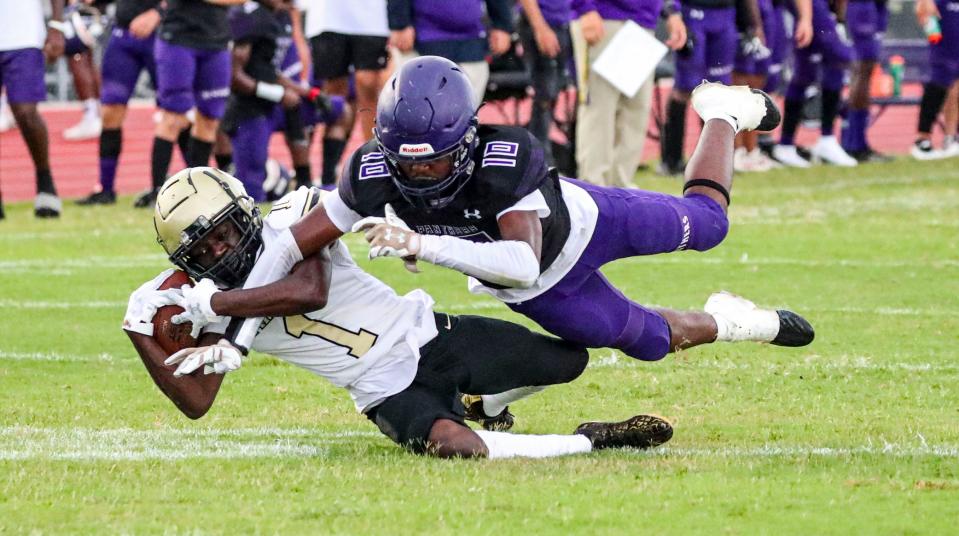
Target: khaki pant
<point x="610" y="128"/>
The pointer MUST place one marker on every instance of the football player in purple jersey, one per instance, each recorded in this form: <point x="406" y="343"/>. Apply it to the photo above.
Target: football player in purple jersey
<point x="128" y="53"/>
<point x="943" y="72"/>
<point x="193" y="71"/>
<point x="824" y="62"/>
<point x="436" y="186"/>
<point x="866" y="22"/>
<point x="24" y="42"/>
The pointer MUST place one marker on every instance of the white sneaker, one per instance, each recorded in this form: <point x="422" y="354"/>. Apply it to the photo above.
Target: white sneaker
<point x="828" y="150"/>
<point x="788" y="156"/>
<point x="750" y="161"/>
<point x="88" y="128"/>
<point x="950" y="147"/>
<point x="764" y="161"/>
<point x="923" y="150"/>
<point x="7" y="120"/>
<point x="738" y="319"/>
<point x="745" y="108"/>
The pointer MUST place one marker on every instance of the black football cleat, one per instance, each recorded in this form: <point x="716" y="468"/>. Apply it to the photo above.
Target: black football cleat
<point x="147" y="199"/>
<point x="641" y="432"/>
<point x="47" y="205"/>
<point x="794" y="330"/>
<point x="475" y="412"/>
<point x="98" y="198"/>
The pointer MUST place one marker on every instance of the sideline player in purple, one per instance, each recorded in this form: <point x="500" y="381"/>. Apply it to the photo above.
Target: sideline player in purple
<point x="709" y="53"/>
<point x="828" y="55"/>
<point x="943" y="72"/>
<point x="265" y="100"/>
<point x="24" y="41"/>
<point x="128" y="53"/>
<point x="866" y="21"/>
<point x="193" y="70"/>
<point x="436" y="186"/>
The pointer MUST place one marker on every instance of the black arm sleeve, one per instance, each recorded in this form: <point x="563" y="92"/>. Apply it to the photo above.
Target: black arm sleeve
<point x="399" y="13"/>
<point x="500" y="15"/>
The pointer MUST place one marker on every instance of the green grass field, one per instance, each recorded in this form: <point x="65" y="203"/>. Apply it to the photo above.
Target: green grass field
<point x="857" y="433"/>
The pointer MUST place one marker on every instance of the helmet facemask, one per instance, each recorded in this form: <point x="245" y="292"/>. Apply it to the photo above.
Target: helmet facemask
<point x="231" y="269"/>
<point x="429" y="193"/>
<point x="205" y="205"/>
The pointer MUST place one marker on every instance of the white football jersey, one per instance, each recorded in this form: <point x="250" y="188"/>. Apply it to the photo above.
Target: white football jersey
<point x="366" y="339"/>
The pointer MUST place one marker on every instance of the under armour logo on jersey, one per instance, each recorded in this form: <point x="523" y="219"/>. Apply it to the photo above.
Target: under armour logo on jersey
<point x="475" y="213"/>
<point x="500" y="153"/>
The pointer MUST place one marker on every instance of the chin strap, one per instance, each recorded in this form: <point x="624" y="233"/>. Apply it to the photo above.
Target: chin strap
<point x="708" y="184"/>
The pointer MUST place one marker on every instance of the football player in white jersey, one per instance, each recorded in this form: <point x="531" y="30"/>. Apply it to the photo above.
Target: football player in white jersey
<point x="403" y="364"/>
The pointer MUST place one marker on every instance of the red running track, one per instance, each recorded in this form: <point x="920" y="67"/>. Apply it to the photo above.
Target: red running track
<point x="75" y="166"/>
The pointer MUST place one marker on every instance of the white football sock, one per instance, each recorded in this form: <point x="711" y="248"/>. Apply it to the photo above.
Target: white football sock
<point x="91" y="107"/>
<point x="494" y="404"/>
<point x="503" y="445"/>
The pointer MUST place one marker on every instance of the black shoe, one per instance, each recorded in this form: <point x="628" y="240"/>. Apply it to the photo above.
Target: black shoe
<point x="475" y="413"/>
<point x="47" y="205"/>
<point x="868" y="155"/>
<point x="147" y="199"/>
<point x="98" y="198"/>
<point x="773" y="116"/>
<point x="641" y="432"/>
<point x="794" y="330"/>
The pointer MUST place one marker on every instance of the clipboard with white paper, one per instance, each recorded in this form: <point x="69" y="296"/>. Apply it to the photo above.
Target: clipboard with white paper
<point x="630" y="58"/>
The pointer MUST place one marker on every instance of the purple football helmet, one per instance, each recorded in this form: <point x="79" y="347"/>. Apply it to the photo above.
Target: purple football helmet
<point x="426" y="113"/>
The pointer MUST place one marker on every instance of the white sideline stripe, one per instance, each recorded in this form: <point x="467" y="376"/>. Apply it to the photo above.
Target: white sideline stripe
<point x="28" y="443"/>
<point x="775" y="451"/>
<point x="53" y="356"/>
<point x="745" y="260"/>
<point x="84" y="262"/>
<point x="853" y="363"/>
<point x="21" y="443"/>
<point x="611" y="360"/>
<point x="487" y="306"/>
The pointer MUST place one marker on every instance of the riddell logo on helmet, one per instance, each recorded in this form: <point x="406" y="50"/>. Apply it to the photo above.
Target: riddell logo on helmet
<point x="416" y="149"/>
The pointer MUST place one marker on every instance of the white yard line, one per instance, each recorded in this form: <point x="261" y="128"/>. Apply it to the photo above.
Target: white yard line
<point x="29" y="443"/>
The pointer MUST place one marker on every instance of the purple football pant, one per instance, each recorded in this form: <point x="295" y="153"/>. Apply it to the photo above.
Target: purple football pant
<point x="585" y="308"/>
<point x="944" y="57"/>
<point x="123" y="60"/>
<point x="774" y="33"/>
<point x="188" y="77"/>
<point x="251" y="142"/>
<point x="713" y="31"/>
<point x="21" y="73"/>
<point x="866" y="22"/>
<point x="779" y="45"/>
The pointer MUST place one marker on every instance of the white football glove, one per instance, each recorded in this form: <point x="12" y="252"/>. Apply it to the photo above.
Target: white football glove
<point x="219" y="358"/>
<point x="143" y="305"/>
<point x="196" y="304"/>
<point x="389" y="236"/>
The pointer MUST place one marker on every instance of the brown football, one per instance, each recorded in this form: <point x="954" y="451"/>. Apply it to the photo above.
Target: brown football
<point x="172" y="337"/>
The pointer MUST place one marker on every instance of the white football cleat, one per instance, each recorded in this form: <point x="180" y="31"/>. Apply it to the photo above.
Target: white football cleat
<point x="788" y="156"/>
<point x="950" y="147"/>
<point x="742" y="107"/>
<point x="88" y="128"/>
<point x="923" y="150"/>
<point x="828" y="150"/>
<point x="738" y="319"/>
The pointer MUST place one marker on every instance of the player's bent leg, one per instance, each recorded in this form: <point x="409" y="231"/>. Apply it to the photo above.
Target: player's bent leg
<point x="688" y="328"/>
<point x="450" y="439"/>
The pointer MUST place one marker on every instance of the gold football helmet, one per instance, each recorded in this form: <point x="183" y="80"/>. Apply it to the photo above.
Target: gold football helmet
<point x="193" y="202"/>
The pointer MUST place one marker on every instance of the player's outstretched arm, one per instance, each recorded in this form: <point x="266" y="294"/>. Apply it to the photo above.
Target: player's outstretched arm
<point x="193" y="394"/>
